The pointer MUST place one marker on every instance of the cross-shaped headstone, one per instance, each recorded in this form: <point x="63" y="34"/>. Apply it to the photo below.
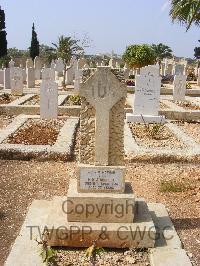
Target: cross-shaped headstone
<point x="102" y="91"/>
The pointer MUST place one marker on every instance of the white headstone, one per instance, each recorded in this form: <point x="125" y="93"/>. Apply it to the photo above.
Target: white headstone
<point x="48" y="74"/>
<point x="11" y="63"/>
<point x="30" y="72"/>
<point x="1" y="76"/>
<point x="179" y="69"/>
<point x="70" y="76"/>
<point x="179" y="87"/>
<point x="147" y="96"/>
<point x="78" y="76"/>
<point x="29" y="63"/>
<point x="7" y="78"/>
<point x="198" y="78"/>
<point x="38" y="67"/>
<point x="48" y="97"/>
<point x="59" y="65"/>
<point x="53" y="64"/>
<point x="16" y="82"/>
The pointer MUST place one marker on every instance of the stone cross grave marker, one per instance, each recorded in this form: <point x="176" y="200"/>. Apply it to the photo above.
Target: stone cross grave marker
<point x="48" y="96"/>
<point x="102" y="91"/>
<point x="147" y="96"/>
<point x="179" y="87"/>
<point x="16" y="79"/>
<point x="102" y="133"/>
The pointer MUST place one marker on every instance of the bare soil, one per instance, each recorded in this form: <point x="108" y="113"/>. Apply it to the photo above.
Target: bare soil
<point x="7" y="98"/>
<point x="5" y="120"/>
<point x="164" y="138"/>
<point x="37" y="132"/>
<point x="21" y="182"/>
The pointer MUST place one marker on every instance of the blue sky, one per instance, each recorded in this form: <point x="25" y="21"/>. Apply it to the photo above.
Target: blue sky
<point x="111" y="24"/>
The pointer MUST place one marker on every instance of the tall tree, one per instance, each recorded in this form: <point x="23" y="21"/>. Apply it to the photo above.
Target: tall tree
<point x="187" y="12"/>
<point x="35" y="46"/>
<point x="197" y="52"/>
<point x="3" y="41"/>
<point x="66" y="48"/>
<point x="137" y="56"/>
<point x="161" y="51"/>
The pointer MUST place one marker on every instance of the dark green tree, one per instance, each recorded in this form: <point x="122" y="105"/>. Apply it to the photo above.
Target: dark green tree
<point x="3" y="41"/>
<point x="161" y="51"/>
<point x="35" y="46"/>
<point x="197" y="52"/>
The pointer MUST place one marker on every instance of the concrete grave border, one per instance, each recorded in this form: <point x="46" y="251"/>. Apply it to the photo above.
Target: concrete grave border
<point x="132" y="149"/>
<point x="61" y="150"/>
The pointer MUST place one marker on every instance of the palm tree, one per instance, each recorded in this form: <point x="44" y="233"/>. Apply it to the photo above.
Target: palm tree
<point x="186" y="12"/>
<point x="161" y="51"/>
<point x="66" y="48"/>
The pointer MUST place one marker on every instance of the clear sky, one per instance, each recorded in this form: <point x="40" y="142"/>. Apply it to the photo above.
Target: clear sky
<point x="111" y="24"/>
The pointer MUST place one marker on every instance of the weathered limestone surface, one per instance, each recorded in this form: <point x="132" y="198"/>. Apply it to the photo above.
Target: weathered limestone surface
<point x="87" y="131"/>
<point x="102" y="119"/>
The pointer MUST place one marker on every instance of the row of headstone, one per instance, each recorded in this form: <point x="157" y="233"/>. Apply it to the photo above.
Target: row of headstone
<point x="169" y="68"/>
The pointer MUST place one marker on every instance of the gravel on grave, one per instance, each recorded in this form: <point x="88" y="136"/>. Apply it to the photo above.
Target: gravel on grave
<point x="187" y="105"/>
<point x="192" y="129"/>
<point x="164" y="137"/>
<point x="22" y="182"/>
<point x="163" y="106"/>
<point x="35" y="100"/>
<point x="37" y="132"/>
<point x="68" y="102"/>
<point x="5" y="120"/>
<point x="108" y="257"/>
<point x="7" y="98"/>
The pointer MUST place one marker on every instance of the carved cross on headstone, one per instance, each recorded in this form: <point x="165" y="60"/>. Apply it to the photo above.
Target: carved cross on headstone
<point x="102" y="91"/>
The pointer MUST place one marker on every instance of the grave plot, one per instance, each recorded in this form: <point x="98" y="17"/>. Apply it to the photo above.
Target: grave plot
<point x="37" y="132"/>
<point x="155" y="135"/>
<point x="192" y="129"/>
<point x="6" y="98"/>
<point x="30" y="137"/>
<point x="160" y="142"/>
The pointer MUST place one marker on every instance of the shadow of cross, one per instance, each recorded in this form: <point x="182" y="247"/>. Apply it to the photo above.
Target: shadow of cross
<point x="102" y="90"/>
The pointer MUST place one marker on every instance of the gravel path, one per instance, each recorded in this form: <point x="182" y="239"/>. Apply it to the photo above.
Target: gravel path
<point x="21" y="182"/>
